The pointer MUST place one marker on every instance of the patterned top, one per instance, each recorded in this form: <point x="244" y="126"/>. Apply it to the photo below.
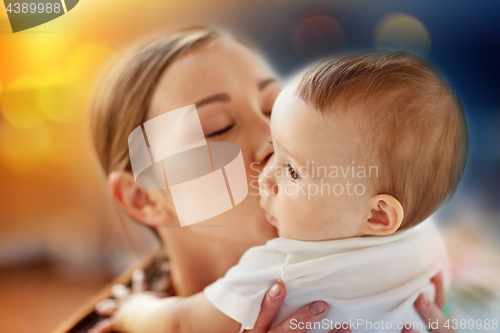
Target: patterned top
<point x="158" y="279"/>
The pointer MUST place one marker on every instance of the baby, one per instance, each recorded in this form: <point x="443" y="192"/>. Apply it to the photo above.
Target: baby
<point x="367" y="147"/>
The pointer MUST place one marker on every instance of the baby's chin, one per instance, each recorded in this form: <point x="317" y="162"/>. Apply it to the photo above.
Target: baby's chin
<point x="268" y="230"/>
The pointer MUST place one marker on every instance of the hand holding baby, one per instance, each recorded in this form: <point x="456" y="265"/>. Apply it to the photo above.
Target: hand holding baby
<point x="125" y="302"/>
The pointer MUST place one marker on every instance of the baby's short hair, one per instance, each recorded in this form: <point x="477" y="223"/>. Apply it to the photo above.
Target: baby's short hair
<point x="414" y="124"/>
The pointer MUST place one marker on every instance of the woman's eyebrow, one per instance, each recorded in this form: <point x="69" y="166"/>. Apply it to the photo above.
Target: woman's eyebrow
<point x="222" y="97"/>
<point x="264" y="83"/>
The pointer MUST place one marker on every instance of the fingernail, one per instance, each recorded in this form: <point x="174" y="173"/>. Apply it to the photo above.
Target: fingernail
<point x="103" y="305"/>
<point x="317" y="308"/>
<point x="99" y="307"/>
<point x="138" y="274"/>
<point x="422" y="301"/>
<point x="120" y="291"/>
<point x="274" y="291"/>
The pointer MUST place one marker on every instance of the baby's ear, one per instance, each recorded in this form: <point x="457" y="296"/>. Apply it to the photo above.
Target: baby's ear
<point x="384" y="217"/>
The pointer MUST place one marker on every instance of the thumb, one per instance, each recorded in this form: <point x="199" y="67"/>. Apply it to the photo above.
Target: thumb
<point x="270" y="306"/>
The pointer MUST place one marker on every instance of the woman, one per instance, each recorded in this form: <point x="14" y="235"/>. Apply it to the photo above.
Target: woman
<point x="234" y="93"/>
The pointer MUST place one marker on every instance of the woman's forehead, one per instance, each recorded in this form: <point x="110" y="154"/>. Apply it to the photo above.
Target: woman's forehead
<point x="221" y="66"/>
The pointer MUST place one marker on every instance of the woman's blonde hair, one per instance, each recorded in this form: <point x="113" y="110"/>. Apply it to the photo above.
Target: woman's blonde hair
<point x="122" y="98"/>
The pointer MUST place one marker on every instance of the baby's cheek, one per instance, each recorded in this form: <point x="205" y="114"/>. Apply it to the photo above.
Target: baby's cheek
<point x="297" y="211"/>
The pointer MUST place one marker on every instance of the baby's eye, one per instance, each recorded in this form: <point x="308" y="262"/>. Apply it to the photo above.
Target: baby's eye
<point x="294" y="176"/>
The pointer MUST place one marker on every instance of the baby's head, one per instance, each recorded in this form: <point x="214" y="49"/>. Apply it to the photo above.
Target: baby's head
<point x="365" y="144"/>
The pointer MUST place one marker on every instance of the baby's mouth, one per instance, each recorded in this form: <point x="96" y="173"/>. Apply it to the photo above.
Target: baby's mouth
<point x="270" y="219"/>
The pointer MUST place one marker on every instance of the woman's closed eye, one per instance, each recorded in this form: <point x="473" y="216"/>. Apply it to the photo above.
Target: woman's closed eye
<point x="219" y="132"/>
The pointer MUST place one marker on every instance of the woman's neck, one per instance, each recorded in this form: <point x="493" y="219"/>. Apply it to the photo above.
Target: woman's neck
<point x="198" y="261"/>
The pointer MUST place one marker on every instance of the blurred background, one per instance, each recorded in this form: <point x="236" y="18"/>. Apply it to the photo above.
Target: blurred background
<point x="62" y="240"/>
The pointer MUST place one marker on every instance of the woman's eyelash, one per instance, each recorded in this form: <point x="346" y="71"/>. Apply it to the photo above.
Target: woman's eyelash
<point x="211" y="135"/>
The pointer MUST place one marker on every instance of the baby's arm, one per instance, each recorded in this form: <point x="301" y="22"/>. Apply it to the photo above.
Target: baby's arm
<point x="240" y="293"/>
<point x="197" y="314"/>
<point x="143" y="312"/>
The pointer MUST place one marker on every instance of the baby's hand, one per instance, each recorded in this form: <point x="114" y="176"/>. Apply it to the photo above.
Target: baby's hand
<point x="124" y="308"/>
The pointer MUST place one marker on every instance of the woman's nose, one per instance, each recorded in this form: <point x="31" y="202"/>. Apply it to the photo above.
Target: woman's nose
<point x="264" y="149"/>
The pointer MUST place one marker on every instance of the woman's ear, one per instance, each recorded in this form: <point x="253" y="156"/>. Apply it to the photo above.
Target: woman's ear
<point x="384" y="217"/>
<point x="137" y="202"/>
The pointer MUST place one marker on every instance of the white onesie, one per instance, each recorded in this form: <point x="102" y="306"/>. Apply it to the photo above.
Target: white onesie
<point x="368" y="282"/>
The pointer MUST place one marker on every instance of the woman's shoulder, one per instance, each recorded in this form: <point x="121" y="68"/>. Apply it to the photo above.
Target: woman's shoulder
<point x="157" y="270"/>
<point x="157" y="273"/>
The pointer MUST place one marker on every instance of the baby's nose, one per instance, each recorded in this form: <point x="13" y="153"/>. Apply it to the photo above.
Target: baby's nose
<point x="267" y="181"/>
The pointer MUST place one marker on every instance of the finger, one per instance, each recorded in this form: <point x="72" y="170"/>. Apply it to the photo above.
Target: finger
<point x="138" y="281"/>
<point x="342" y="329"/>
<point x="430" y="313"/>
<point x="270" y="306"/>
<point x="297" y="322"/>
<point x="437" y="280"/>
<point x="120" y="292"/>
<point x="106" y="307"/>
<point x="104" y="326"/>
<point x="409" y="330"/>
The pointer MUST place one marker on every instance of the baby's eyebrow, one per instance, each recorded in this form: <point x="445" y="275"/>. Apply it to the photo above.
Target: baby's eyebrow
<point x="292" y="156"/>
